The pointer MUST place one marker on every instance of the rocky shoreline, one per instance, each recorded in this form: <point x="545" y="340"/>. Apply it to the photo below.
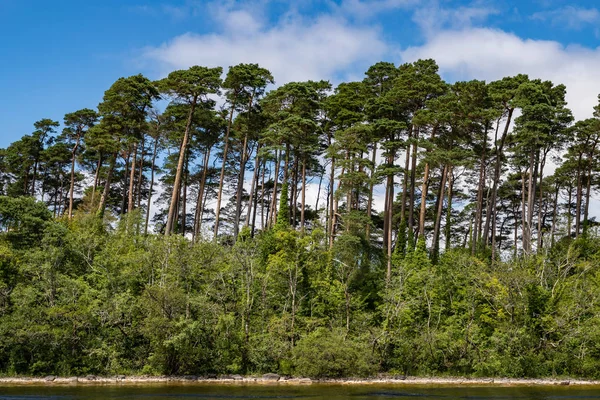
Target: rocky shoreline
<point x="276" y="379"/>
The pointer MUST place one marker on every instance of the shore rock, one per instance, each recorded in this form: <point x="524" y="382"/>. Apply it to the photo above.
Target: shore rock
<point x="50" y="378"/>
<point x="271" y="377"/>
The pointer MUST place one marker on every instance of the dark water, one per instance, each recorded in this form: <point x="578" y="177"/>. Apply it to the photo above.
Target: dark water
<point x="313" y="392"/>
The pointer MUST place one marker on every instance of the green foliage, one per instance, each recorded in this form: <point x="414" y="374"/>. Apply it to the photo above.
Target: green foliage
<point x="479" y="266"/>
<point x="330" y="354"/>
<point x="23" y="219"/>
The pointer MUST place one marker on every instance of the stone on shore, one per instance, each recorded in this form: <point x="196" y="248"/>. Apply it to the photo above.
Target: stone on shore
<point x="270" y="377"/>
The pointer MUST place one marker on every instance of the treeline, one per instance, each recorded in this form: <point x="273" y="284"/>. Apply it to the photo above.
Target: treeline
<point x="481" y="262"/>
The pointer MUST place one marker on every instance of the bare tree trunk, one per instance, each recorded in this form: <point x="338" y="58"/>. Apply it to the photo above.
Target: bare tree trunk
<point x="199" y="200"/>
<point x="240" y="188"/>
<point x="424" y="190"/>
<point x="578" y="200"/>
<point x="132" y="179"/>
<point x="335" y="210"/>
<point x="319" y="191"/>
<point x="523" y="212"/>
<point x="423" y="210"/>
<point x="405" y="179"/>
<point x="413" y="171"/>
<point x="141" y="173"/>
<point x="371" y="186"/>
<point x="262" y="195"/>
<point x="125" y="182"/>
<point x="569" y="214"/>
<point x="253" y="186"/>
<point x="152" y="169"/>
<point x="405" y="184"/>
<point x="533" y="167"/>
<point x="106" y="191"/>
<point x="273" y="207"/>
<point x="261" y="165"/>
<point x="72" y="186"/>
<point x="497" y="170"/>
<point x="554" y="215"/>
<point x="390" y="226"/>
<point x="586" y="208"/>
<point x="303" y="199"/>
<point x="448" y="226"/>
<point x="177" y="184"/>
<point x="186" y="176"/>
<point x="480" y="189"/>
<point x="440" y="209"/>
<point x="96" y="179"/>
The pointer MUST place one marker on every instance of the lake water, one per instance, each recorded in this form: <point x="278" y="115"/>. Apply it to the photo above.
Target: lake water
<point x="312" y="392"/>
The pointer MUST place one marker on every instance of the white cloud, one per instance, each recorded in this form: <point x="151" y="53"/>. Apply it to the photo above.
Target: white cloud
<point x="189" y="8"/>
<point x="569" y="17"/>
<point x="363" y="9"/>
<point x="294" y="49"/>
<point x="433" y="18"/>
<point x="483" y="53"/>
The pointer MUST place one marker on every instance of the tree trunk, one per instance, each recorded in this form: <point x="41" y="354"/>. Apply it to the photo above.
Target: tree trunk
<point x="199" y="200"/>
<point x="255" y="206"/>
<point x="413" y="171"/>
<point x="480" y="189"/>
<point x="178" y="174"/>
<point x="371" y="186"/>
<point x="554" y="215"/>
<point x="140" y="174"/>
<point x="423" y="210"/>
<point x="152" y="168"/>
<point x="497" y="170"/>
<point x="303" y="199"/>
<point x="96" y="179"/>
<point x="586" y="208"/>
<point x="240" y="188"/>
<point x="186" y="176"/>
<point x="319" y="192"/>
<point x="125" y="183"/>
<point x="533" y="168"/>
<point x="262" y="195"/>
<point x="440" y="209"/>
<point x="72" y="186"/>
<point x="523" y="212"/>
<point x="132" y="179"/>
<point x="106" y="191"/>
<point x="405" y="179"/>
<point x="424" y="190"/>
<point x="578" y="200"/>
<point x="390" y="226"/>
<point x="273" y="206"/>
<point x="253" y="187"/>
<point x="294" y="192"/>
<point x="448" y="225"/>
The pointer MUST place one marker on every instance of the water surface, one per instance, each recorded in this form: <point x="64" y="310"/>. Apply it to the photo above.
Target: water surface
<point x="312" y="392"/>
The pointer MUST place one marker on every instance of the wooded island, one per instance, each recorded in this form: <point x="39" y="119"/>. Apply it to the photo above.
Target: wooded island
<point x="201" y="225"/>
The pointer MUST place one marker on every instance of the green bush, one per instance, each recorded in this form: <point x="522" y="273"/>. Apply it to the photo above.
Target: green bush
<point x="329" y="354"/>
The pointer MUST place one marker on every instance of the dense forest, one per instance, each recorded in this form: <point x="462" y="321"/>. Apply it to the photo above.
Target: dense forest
<point x="175" y="229"/>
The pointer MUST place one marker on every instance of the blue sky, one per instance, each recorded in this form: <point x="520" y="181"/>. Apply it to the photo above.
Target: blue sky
<point x="60" y="56"/>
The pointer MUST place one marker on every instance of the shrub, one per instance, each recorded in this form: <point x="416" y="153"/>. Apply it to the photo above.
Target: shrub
<point x="330" y="354"/>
